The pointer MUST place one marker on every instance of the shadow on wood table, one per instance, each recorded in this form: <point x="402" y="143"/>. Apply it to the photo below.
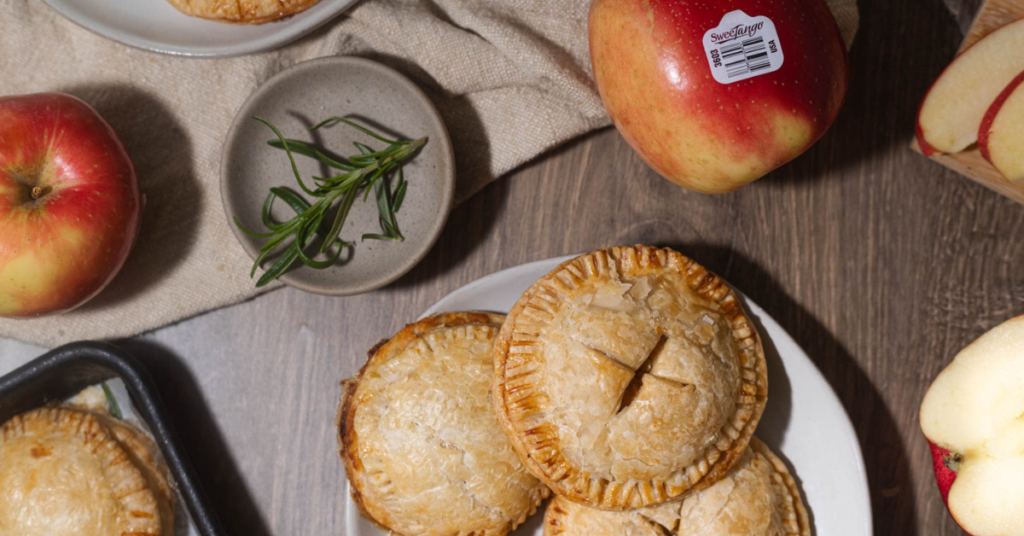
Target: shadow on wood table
<point x="899" y="51"/>
<point x="468" y="226"/>
<point x="161" y="151"/>
<point x="202" y="440"/>
<point x="885" y="453"/>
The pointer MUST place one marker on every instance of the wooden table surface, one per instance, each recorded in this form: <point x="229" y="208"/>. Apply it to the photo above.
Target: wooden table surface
<point x="880" y="263"/>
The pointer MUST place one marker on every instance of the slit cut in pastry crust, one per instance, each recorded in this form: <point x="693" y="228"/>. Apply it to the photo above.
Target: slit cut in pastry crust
<point x="65" y="472"/>
<point x="422" y="448"/>
<point x="628" y="377"/>
<point x="758" y="497"/>
<point x="242" y="11"/>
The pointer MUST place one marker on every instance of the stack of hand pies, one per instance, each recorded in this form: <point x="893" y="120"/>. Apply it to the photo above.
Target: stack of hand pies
<point x="628" y="381"/>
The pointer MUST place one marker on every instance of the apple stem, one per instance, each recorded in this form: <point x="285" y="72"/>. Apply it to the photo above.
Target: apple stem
<point x="39" y="191"/>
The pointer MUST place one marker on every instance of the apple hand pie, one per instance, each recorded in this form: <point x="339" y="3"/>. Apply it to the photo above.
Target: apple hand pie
<point x="424" y="453"/>
<point x="242" y="11"/>
<point x="628" y="377"/>
<point x="65" y="472"/>
<point x="757" y="497"/>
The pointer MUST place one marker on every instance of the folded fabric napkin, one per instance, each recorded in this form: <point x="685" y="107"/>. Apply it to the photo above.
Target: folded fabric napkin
<point x="511" y="78"/>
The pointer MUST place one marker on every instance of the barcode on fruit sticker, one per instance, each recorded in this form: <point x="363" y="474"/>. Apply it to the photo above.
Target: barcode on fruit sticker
<point x="742" y="47"/>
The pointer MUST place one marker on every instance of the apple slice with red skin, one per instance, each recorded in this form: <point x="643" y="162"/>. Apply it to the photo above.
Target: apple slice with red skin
<point x="1001" y="137"/>
<point x="70" y="204"/>
<point x="973" y="417"/>
<point x="951" y="113"/>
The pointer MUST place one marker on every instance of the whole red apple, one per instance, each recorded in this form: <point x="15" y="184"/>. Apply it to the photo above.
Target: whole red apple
<point x="69" y="203"/>
<point x="717" y="93"/>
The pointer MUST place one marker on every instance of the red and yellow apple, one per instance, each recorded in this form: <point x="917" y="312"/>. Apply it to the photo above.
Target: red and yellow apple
<point x="655" y="77"/>
<point x="69" y="204"/>
<point x="1001" y="137"/>
<point x="951" y="113"/>
<point x="973" y="417"/>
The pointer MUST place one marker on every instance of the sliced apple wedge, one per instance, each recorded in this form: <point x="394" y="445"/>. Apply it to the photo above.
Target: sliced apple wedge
<point x="1001" y="136"/>
<point x="954" y="107"/>
<point x="973" y="414"/>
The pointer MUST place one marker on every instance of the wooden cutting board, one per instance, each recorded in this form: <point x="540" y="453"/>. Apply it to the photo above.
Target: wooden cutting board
<point x="994" y="14"/>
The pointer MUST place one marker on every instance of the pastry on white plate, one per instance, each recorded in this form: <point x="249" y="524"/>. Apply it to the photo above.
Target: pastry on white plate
<point x="242" y="11"/>
<point x="423" y="450"/>
<point x="758" y="497"/>
<point x="629" y="376"/>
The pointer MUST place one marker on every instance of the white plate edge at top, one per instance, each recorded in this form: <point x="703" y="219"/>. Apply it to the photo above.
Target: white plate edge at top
<point x="292" y="32"/>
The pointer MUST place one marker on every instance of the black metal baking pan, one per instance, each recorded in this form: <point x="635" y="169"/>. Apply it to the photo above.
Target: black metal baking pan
<point x="63" y="372"/>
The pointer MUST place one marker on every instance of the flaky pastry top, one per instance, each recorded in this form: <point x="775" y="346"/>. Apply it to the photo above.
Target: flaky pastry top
<point x="758" y="497"/>
<point x="65" y="472"/>
<point x="422" y="448"/>
<point x="629" y="376"/>
<point x="242" y="11"/>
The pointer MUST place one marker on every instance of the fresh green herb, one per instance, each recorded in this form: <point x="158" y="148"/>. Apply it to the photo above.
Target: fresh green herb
<point x="369" y="170"/>
<point x="115" y="408"/>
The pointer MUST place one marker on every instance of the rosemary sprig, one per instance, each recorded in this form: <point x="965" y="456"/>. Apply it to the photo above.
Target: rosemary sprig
<point x="112" y="405"/>
<point x="370" y="169"/>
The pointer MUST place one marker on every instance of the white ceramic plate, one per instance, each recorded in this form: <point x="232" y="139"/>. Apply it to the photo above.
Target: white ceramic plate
<point x="156" y="25"/>
<point x="804" y="421"/>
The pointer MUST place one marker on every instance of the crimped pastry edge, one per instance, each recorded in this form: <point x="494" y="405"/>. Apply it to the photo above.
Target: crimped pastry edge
<point x="147" y="457"/>
<point x="555" y="518"/>
<point x="347" y="438"/>
<point x="259" y="19"/>
<point x="111" y="437"/>
<point x="799" y="510"/>
<point x="649" y="493"/>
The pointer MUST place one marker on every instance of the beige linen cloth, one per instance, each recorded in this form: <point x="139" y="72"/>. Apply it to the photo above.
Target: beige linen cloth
<point x="511" y="78"/>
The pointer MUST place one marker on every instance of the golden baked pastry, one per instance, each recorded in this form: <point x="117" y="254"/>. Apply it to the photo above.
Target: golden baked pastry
<point x="628" y="377"/>
<point x="242" y="11"/>
<point x="65" y="472"/>
<point x="422" y="448"/>
<point x="758" y="497"/>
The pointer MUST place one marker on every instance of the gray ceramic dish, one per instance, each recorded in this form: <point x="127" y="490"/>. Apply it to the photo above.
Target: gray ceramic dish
<point x="303" y="95"/>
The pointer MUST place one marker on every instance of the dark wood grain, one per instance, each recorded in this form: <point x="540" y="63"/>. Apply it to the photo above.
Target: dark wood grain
<point x="881" y="263"/>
